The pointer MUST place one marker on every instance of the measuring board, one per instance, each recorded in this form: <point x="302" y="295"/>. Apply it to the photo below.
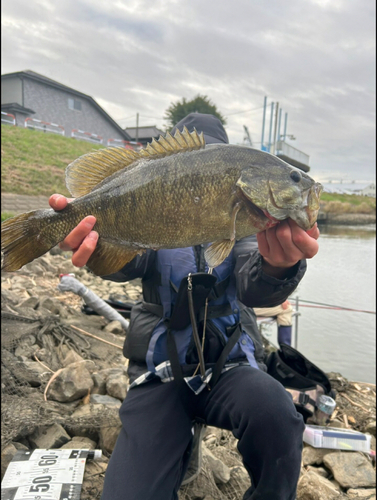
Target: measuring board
<point x="46" y="474"/>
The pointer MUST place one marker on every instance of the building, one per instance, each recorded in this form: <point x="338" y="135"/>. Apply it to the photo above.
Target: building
<point x="144" y="135"/>
<point x="358" y="188"/>
<point x="35" y="101"/>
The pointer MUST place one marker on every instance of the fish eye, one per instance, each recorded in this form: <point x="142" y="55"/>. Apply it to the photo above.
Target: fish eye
<point x="295" y="176"/>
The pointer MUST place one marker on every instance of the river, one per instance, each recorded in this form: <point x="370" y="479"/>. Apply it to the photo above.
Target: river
<point x="343" y="273"/>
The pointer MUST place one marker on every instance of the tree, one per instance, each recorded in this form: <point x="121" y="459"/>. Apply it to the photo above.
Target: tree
<point x="200" y="104"/>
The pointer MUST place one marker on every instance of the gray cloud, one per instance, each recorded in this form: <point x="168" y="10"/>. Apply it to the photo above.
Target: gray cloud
<point x="315" y="57"/>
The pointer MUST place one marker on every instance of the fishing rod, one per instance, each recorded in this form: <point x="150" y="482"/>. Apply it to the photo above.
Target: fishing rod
<point x="321" y="305"/>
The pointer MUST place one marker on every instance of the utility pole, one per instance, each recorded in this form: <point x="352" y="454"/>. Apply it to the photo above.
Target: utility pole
<point x="275" y="129"/>
<point x="271" y="118"/>
<point x="264" y="119"/>
<point x="137" y="128"/>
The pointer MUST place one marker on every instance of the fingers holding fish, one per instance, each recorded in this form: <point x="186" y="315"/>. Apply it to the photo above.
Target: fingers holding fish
<point x="58" y="201"/>
<point x="83" y="253"/>
<point x="282" y="246"/>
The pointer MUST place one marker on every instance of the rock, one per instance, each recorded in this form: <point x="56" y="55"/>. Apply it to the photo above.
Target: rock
<point x="105" y="400"/>
<point x="32" y="302"/>
<point x="117" y="386"/>
<point x="368" y="494"/>
<point x="73" y="382"/>
<point x="318" y="470"/>
<point x="114" y="327"/>
<point x="54" y="306"/>
<point x="53" y="436"/>
<point x="72" y="357"/>
<point x="99" y="386"/>
<point x="370" y="428"/>
<point x="80" y="443"/>
<point x="311" y="455"/>
<point x="351" y="469"/>
<point x="94" y="474"/>
<point x="6" y="457"/>
<point x="108" y="437"/>
<point x="220" y="471"/>
<point x="312" y="486"/>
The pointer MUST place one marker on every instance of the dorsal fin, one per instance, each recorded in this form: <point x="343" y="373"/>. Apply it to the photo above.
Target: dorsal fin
<point x="87" y="171"/>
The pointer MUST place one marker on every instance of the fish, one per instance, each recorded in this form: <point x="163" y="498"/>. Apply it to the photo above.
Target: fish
<point x="174" y="193"/>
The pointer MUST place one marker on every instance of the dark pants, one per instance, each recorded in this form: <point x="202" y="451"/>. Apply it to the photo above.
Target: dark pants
<point x="151" y="452"/>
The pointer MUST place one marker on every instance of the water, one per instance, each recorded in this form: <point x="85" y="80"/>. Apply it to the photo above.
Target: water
<point x="343" y="273"/>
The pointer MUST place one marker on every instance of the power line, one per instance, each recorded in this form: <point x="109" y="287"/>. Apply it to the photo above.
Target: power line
<point x="245" y="111"/>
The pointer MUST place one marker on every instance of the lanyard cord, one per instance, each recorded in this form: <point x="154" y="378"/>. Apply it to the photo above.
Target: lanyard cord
<point x="194" y="328"/>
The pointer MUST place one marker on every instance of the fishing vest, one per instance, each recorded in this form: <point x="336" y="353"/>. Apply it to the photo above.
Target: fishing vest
<point x="146" y="341"/>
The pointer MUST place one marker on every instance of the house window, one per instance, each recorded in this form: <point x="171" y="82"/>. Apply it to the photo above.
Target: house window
<point x="74" y="104"/>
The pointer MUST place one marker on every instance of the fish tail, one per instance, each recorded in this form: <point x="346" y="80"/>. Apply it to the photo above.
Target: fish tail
<point x="26" y="237"/>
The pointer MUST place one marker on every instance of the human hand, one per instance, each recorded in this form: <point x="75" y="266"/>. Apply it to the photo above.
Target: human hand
<point x="81" y="240"/>
<point x="285" y="305"/>
<point x="283" y="245"/>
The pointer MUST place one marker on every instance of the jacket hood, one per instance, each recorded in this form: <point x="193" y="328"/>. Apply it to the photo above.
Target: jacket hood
<point x="211" y="127"/>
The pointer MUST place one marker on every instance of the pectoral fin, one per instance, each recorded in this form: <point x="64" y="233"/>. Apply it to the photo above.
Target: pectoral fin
<point x="218" y="252"/>
<point x="109" y="258"/>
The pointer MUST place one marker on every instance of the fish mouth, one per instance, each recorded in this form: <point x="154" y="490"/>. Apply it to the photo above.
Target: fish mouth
<point x="304" y="212"/>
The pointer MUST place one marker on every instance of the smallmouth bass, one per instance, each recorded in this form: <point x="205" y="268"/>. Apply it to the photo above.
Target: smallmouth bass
<point x="176" y="192"/>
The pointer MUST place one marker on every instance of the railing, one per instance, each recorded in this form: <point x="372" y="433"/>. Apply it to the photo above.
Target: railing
<point x="54" y="128"/>
<point x="282" y="148"/>
<point x="12" y="120"/>
<point x="86" y="136"/>
<point x="263" y="322"/>
<point x="135" y="146"/>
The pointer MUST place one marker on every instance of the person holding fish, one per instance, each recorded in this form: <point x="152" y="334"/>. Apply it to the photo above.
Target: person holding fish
<point x="181" y="215"/>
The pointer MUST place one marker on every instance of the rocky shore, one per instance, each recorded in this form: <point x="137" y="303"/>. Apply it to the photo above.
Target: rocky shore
<point x="64" y="377"/>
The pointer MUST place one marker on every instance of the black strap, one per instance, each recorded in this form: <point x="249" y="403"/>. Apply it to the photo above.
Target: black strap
<point x="216" y="311"/>
<point x="219" y="289"/>
<point x="156" y="309"/>
<point x="233" y="339"/>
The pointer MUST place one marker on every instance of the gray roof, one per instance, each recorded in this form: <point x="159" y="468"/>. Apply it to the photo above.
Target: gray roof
<point x="145" y="132"/>
<point x="48" y="81"/>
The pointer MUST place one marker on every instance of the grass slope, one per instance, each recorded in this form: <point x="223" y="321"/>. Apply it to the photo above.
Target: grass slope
<point x="34" y="162"/>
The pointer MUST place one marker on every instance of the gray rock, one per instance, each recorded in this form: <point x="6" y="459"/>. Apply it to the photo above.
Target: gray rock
<point x="117" y="386"/>
<point x="53" y="436"/>
<point x="368" y="494"/>
<point x="351" y="469"/>
<point x="32" y="302"/>
<point x="80" y="443"/>
<point x="312" y="486"/>
<point x="115" y="327"/>
<point x="220" y="471"/>
<point x="314" y="456"/>
<point x="108" y="437"/>
<point x="6" y="457"/>
<point x="99" y="386"/>
<point x="318" y="470"/>
<point x="71" y="357"/>
<point x="370" y="428"/>
<point x="105" y="400"/>
<point x="72" y="383"/>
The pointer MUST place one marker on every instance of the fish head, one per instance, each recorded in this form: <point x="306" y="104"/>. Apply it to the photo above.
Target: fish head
<point x="281" y="191"/>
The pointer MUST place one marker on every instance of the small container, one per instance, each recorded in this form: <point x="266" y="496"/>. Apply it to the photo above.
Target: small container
<point x="337" y="439"/>
<point x="326" y="406"/>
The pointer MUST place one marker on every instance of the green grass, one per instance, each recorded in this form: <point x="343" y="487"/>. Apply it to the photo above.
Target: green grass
<point x="34" y="162"/>
<point x="6" y="215"/>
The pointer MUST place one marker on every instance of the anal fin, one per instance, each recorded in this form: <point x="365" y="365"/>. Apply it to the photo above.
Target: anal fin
<point x="108" y="258"/>
<point x="218" y="252"/>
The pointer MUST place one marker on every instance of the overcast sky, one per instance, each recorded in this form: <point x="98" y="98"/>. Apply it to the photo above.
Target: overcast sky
<point x="315" y="57"/>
